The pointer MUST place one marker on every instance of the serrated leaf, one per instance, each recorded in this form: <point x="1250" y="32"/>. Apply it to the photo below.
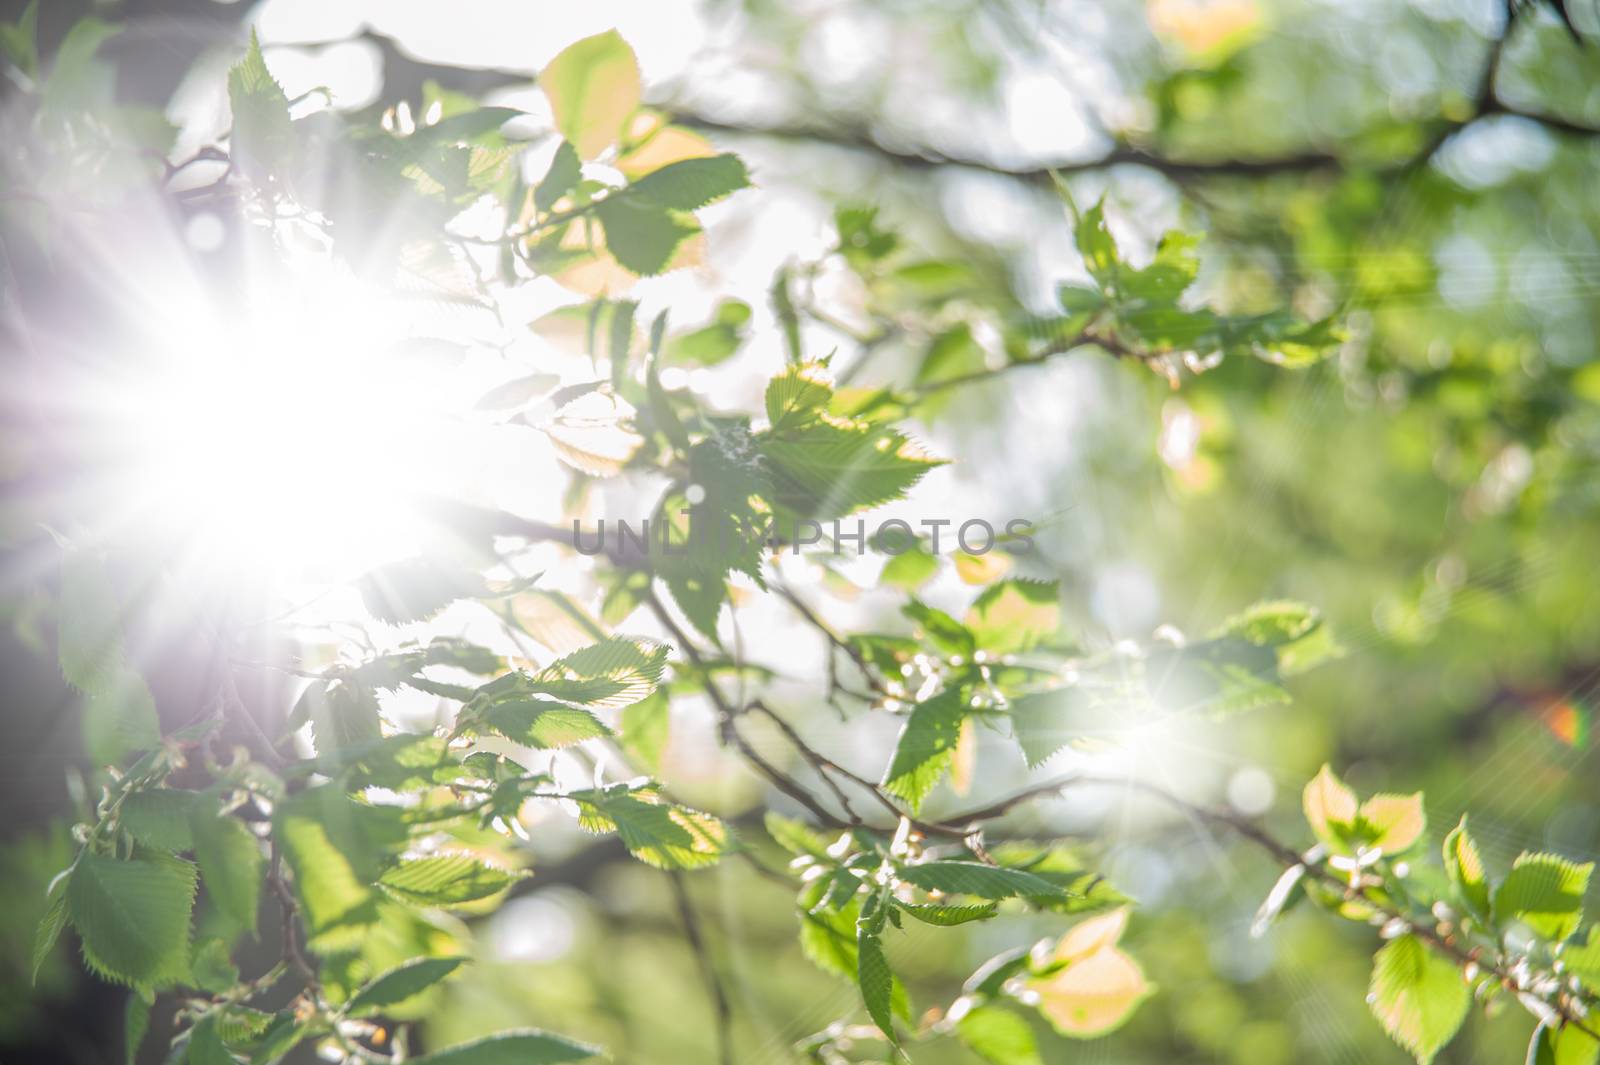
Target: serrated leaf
<point x="976" y="878"/>
<point x="133" y="916"/>
<point x="231" y="867"/>
<point x="998" y="1036"/>
<point x="1418" y="997"/>
<point x="525" y="1046"/>
<point x="401" y="983"/>
<point x="50" y="926"/>
<point x="1042" y="722"/>
<point x="593" y="87"/>
<point x="690" y="184"/>
<point x="798" y="396"/>
<point x="876" y="981"/>
<point x="544" y="723"/>
<point x="830" y="469"/>
<point x="1544" y="892"/>
<point x="161" y="817"/>
<point x="926" y="747"/>
<point x="661" y="834"/>
<point x="263" y="136"/>
<point x="445" y="880"/>
<point x="1272" y="624"/>
<point x="642" y="235"/>
<point x="948" y="915"/>
<point x="610" y="674"/>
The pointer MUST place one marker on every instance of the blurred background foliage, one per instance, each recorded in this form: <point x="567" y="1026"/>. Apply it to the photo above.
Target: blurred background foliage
<point x="1431" y="487"/>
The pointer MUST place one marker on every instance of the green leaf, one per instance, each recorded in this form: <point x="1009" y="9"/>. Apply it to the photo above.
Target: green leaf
<point x="1096" y="245"/>
<point x="1464" y="865"/>
<point x="714" y="342"/>
<point x="1584" y="960"/>
<point x="798" y="396"/>
<point x="1418" y="997"/>
<point x="953" y="353"/>
<point x="445" y="880"/>
<point x="610" y="674"/>
<point x="948" y="915"/>
<point x="401" y="983"/>
<point x="231" y="867"/>
<point x="335" y="846"/>
<point x="133" y="916"/>
<point x="830" y="468"/>
<point x="1272" y="624"/>
<point x="544" y="723"/>
<point x="1014" y="615"/>
<point x="998" y="1036"/>
<point x="343" y="715"/>
<point x="560" y="179"/>
<point x="657" y="833"/>
<point x="1042" y="722"/>
<point x="646" y="727"/>
<point x="1544" y="892"/>
<point x="690" y="184"/>
<point x="50" y="926"/>
<point x="910" y="569"/>
<point x="263" y="137"/>
<point x="594" y="88"/>
<point x="975" y="878"/>
<point x="926" y="746"/>
<point x="135" y="1023"/>
<point x="526" y="1046"/>
<point x="875" y="979"/>
<point x="797" y="837"/>
<point x="206" y="1046"/>
<point x="940" y="629"/>
<point x="162" y="817"/>
<point x="1555" y="1044"/>
<point x="211" y="966"/>
<point x="642" y="235"/>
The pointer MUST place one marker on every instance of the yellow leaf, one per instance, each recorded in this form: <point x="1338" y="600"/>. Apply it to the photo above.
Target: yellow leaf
<point x="1091" y="936"/>
<point x="1093" y="995"/>
<point x="1330" y="807"/>
<point x="982" y="569"/>
<point x="594" y="89"/>
<point x="1398" y="821"/>
<point x="671" y="144"/>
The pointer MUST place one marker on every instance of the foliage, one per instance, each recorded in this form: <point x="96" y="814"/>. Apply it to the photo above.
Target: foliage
<point x="373" y="839"/>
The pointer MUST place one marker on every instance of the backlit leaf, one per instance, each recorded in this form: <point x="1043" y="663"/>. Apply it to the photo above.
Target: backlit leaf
<point x="593" y="87"/>
<point x="1418" y="997"/>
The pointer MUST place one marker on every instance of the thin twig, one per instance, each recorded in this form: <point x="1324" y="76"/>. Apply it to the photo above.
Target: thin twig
<point x="708" y="969"/>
